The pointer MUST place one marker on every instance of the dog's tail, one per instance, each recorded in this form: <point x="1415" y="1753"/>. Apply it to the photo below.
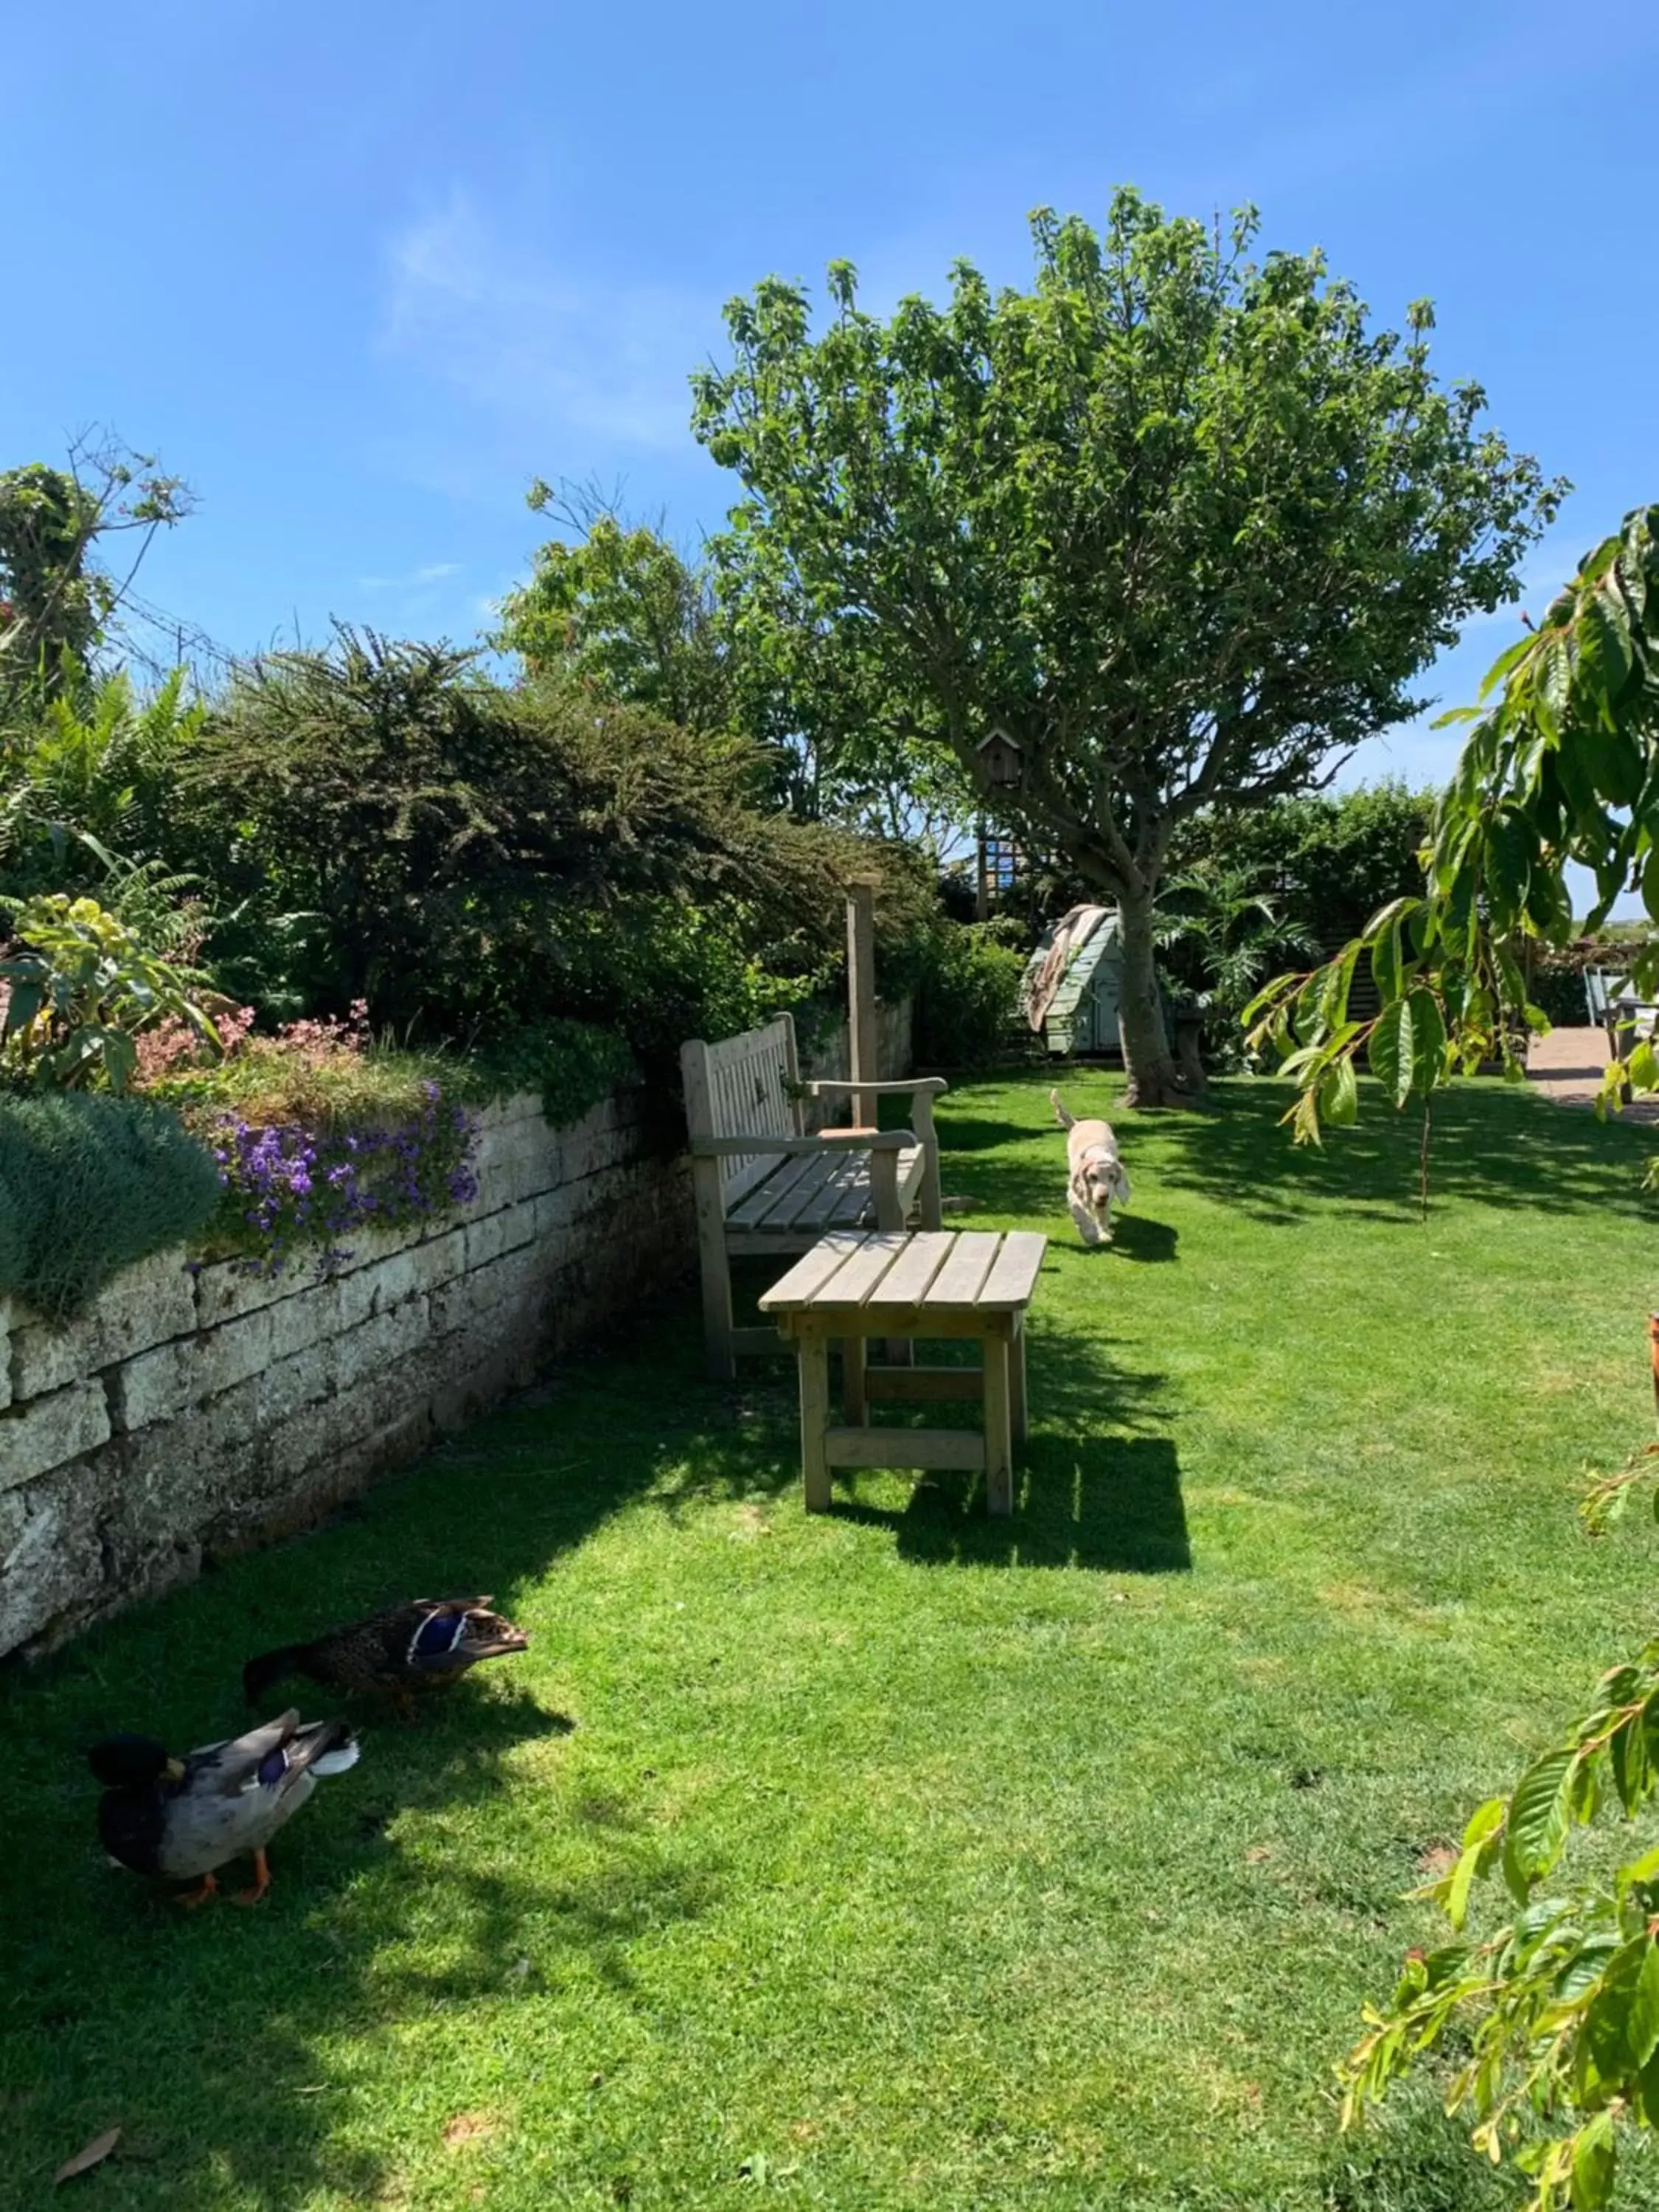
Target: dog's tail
<point x="1066" y="1120"/>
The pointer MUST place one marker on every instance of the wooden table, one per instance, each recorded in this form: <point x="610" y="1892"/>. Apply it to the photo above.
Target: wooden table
<point x="901" y="1284"/>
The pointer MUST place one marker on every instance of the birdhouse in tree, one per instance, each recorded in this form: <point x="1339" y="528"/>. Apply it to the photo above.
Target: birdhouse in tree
<point x="1000" y="762"/>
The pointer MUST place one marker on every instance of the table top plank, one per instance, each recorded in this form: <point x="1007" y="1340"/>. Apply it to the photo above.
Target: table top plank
<point x="959" y="1282"/>
<point x="1014" y="1272"/>
<point x="915" y="1267"/>
<point x="860" y="1274"/>
<point x="812" y="1268"/>
<point x="945" y="1275"/>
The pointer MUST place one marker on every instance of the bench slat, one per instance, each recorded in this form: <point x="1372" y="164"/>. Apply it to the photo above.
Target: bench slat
<point x="791" y="1208"/>
<point x="840" y="1200"/>
<point x="745" y="1208"/>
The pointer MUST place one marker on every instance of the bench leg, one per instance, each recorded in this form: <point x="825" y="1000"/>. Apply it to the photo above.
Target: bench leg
<point x="814" y="1420"/>
<point x="716" y="1266"/>
<point x="998" y="1438"/>
<point x="854" y="1401"/>
<point x="1017" y="1417"/>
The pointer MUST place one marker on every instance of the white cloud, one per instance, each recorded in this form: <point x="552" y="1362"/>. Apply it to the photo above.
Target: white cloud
<point x="433" y="572"/>
<point x="540" y="348"/>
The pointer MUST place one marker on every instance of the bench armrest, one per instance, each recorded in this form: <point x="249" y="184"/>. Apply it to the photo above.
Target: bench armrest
<point x="828" y="1141"/>
<point x="934" y="1084"/>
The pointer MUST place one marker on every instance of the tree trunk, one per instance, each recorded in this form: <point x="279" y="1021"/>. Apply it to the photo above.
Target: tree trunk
<point x="1154" y="1079"/>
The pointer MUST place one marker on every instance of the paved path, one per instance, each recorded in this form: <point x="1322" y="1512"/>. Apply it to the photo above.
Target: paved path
<point x="1567" y="1066"/>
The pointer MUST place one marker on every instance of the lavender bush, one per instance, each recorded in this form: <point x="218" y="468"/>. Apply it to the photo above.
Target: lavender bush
<point x="289" y="1188"/>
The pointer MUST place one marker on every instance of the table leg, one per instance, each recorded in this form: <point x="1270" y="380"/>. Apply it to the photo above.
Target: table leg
<point x="999" y="1439"/>
<point x="814" y="1420"/>
<point x="1016" y="1419"/>
<point x="855" y="1404"/>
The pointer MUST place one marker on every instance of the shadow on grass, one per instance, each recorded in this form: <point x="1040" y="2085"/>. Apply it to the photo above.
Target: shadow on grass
<point x="1112" y="1504"/>
<point x="1491" y="1143"/>
<point x="220" y="2040"/>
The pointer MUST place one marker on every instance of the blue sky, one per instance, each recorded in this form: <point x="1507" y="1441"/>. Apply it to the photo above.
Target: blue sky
<point x="360" y="272"/>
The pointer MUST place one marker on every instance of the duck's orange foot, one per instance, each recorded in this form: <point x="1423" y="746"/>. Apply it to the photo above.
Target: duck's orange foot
<point x="261" y="1882"/>
<point x="205" y="1888"/>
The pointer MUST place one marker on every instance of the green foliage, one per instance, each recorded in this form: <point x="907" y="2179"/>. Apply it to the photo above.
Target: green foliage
<point x="571" y="1066"/>
<point x="1562" y="769"/>
<point x="89" y="1184"/>
<point x="1555" y="2013"/>
<point x="623" y="611"/>
<point x="967" y="987"/>
<point x="1328" y="859"/>
<point x="99" y="768"/>
<point x="55" y="601"/>
<point x="1217" y="933"/>
<point x="80" y="988"/>
<point x="472" y="859"/>
<point x="1182" y="524"/>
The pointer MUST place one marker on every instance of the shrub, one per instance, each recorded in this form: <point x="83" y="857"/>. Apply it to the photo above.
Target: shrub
<point x="571" y="1066"/>
<point x="966" y="988"/>
<point x="89" y="1184"/>
<point x="471" y="857"/>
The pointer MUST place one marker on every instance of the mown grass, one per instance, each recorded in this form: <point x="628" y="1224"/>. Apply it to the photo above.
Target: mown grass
<point x="894" y="1859"/>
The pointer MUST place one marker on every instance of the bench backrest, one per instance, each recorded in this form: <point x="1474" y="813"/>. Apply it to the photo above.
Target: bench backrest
<point x="742" y="1087"/>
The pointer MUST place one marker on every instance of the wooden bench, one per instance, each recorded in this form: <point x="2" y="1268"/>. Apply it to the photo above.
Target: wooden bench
<point x="764" y="1185"/>
<point x="851" y="1287"/>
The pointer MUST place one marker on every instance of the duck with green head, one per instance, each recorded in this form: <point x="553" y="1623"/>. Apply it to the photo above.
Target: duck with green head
<point x="183" y="1818"/>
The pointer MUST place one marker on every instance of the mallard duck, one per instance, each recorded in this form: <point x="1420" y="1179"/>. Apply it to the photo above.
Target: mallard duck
<point x="183" y="1817"/>
<point x="417" y="1646"/>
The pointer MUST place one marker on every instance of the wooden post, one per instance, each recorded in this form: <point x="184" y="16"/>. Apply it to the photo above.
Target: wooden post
<point x="1653" y="1349"/>
<point x="861" y="1000"/>
<point x="982" y="886"/>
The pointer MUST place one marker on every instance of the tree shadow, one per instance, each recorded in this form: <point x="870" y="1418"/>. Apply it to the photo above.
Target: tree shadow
<point x="103" y="1971"/>
<point x="1499" y="1145"/>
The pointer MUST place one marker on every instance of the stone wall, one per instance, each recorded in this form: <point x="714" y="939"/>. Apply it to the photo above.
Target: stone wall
<point x="188" y="1413"/>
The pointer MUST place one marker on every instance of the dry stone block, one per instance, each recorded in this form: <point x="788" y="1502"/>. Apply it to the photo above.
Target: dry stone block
<point x="497" y="1233"/>
<point x="230" y="1288"/>
<point x="191" y="1369"/>
<point x="385" y="1337"/>
<point x="52" y="1563"/>
<point x="41" y="1434"/>
<point x="142" y="1306"/>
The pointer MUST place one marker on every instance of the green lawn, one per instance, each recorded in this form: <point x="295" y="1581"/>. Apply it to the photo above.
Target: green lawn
<point x="894" y="1859"/>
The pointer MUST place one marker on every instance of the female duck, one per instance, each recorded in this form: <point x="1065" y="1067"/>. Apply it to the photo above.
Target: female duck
<point x="419" y="1645"/>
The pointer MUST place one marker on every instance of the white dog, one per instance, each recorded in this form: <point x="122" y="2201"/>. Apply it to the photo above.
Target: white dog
<point x="1095" y="1174"/>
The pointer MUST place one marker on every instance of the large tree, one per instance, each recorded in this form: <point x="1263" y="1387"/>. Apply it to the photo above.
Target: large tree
<point x="1180" y="523"/>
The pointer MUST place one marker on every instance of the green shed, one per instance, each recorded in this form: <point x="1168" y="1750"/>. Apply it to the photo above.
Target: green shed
<point x="1072" y="983"/>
